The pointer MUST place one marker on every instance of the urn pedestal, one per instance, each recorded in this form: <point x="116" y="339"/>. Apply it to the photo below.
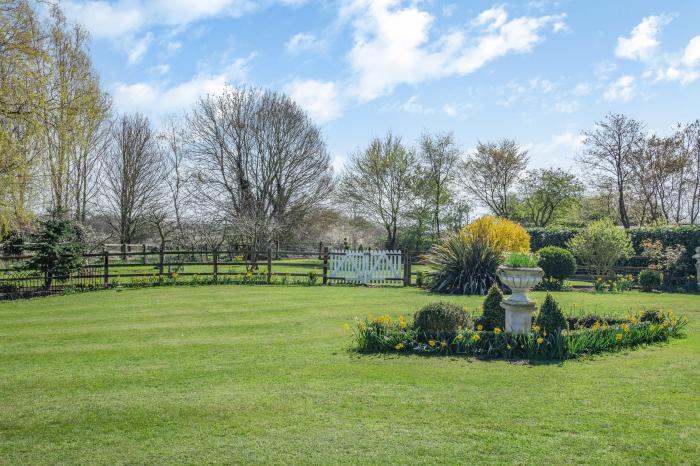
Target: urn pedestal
<point x="519" y="308"/>
<point x="697" y="264"/>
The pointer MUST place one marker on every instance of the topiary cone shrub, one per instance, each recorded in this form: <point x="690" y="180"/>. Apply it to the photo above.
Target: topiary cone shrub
<point x="493" y="314"/>
<point x="550" y="317"/>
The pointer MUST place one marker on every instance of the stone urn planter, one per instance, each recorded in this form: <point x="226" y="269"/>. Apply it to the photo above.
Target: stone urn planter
<point x="518" y="306"/>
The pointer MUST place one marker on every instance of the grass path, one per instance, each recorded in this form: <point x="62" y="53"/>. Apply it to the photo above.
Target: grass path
<point x="235" y="374"/>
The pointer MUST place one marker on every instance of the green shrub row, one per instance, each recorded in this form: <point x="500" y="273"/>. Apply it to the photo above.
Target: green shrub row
<point x="686" y="235"/>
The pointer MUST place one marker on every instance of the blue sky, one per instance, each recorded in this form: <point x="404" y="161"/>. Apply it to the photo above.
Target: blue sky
<point x="538" y="71"/>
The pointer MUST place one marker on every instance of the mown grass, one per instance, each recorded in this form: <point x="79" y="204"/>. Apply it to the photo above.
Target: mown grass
<point x="237" y="374"/>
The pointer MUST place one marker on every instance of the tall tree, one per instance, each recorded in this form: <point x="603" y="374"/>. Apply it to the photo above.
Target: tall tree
<point x="379" y="181"/>
<point x="439" y="156"/>
<point x="609" y="150"/>
<point x="132" y="176"/>
<point x="71" y="112"/>
<point x="546" y="194"/>
<point x="21" y="43"/>
<point x="490" y="174"/>
<point x="259" y="160"/>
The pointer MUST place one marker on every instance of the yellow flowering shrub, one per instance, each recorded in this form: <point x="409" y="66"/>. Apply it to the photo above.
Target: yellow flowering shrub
<point x="501" y="234"/>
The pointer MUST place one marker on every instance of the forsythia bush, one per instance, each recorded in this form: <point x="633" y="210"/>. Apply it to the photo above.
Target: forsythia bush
<point x="500" y="234"/>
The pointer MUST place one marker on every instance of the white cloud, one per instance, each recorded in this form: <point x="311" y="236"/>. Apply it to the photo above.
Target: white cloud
<point x="393" y="44"/>
<point x="412" y="105"/>
<point x="691" y="56"/>
<point x="569" y="106"/>
<point x="301" y="42"/>
<point x="320" y="99"/>
<point x="450" y="109"/>
<point x="123" y="17"/>
<point x="582" y="88"/>
<point x="158" y="98"/>
<point x="621" y="90"/>
<point x="559" y="151"/>
<point x="139" y="49"/>
<point x="642" y="41"/>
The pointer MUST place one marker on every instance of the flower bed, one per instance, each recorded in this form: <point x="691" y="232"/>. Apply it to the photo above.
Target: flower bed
<point x="385" y="334"/>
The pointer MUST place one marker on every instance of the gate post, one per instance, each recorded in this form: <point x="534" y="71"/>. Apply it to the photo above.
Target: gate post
<point x="215" y="258"/>
<point x="106" y="269"/>
<point x="325" y="266"/>
<point x="269" y="265"/>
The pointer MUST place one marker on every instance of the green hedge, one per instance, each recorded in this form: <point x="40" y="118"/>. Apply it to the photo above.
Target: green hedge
<point x="687" y="235"/>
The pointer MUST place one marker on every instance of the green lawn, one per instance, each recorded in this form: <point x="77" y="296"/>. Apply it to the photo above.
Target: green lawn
<point x="236" y="374"/>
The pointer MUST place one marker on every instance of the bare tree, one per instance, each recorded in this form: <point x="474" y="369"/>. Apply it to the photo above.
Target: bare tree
<point x="379" y="182"/>
<point x="491" y="172"/>
<point x="689" y="143"/>
<point x="175" y="173"/>
<point x="439" y="156"/>
<point x="132" y="175"/>
<point x="609" y="151"/>
<point x="259" y="160"/>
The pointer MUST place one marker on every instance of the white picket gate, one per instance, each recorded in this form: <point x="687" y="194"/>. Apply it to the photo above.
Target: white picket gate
<point x="365" y="266"/>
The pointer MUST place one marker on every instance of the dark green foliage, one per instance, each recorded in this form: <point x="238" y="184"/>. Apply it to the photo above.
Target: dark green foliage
<point x="493" y="314"/>
<point x="441" y="318"/>
<point x="462" y="266"/>
<point x="650" y="280"/>
<point x="12" y="243"/>
<point x="588" y="321"/>
<point x="550" y="236"/>
<point x="550" y="316"/>
<point x="653" y="316"/>
<point x="557" y="263"/>
<point x="60" y="247"/>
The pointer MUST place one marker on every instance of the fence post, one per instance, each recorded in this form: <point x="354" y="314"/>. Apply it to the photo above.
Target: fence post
<point x="143" y="248"/>
<point x="215" y="257"/>
<point x="161" y="257"/>
<point x="277" y="250"/>
<point x="325" y="266"/>
<point x="269" y="265"/>
<point x="105" y="267"/>
<point x="407" y="269"/>
<point x="320" y="249"/>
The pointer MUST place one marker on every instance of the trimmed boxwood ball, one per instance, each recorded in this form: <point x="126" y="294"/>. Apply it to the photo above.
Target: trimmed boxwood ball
<point x="493" y="314"/>
<point x="650" y="280"/>
<point x="439" y="318"/>
<point x="550" y="317"/>
<point x="557" y="263"/>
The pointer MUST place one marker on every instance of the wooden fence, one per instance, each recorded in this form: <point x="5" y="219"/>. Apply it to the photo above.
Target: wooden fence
<point x="119" y="267"/>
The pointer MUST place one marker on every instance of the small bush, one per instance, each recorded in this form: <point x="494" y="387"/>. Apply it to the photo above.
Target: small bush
<point x="590" y="320"/>
<point x="650" y="280"/>
<point x="493" y="314"/>
<point x="521" y="260"/>
<point x="652" y="316"/>
<point x="440" y="318"/>
<point x="557" y="263"/>
<point x="550" y="316"/>
<point x="601" y="245"/>
<point x="552" y="284"/>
